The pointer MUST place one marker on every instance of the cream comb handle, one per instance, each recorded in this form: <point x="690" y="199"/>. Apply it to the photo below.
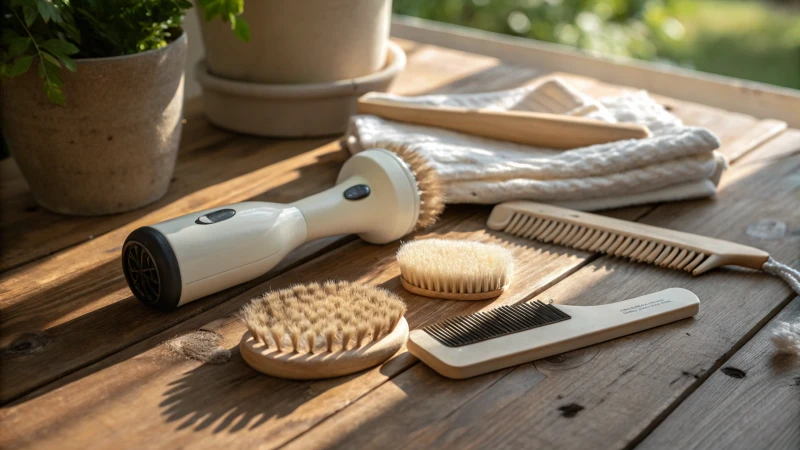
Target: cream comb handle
<point x="636" y="241"/>
<point x="588" y="325"/>
<point x="529" y="128"/>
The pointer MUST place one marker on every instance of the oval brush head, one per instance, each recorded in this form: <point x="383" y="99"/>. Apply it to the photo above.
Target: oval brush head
<point x="455" y="269"/>
<point x="431" y="194"/>
<point x="324" y="330"/>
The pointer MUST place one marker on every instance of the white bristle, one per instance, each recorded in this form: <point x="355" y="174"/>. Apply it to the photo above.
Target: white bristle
<point x="315" y="317"/>
<point x="584" y="237"/>
<point x="455" y="266"/>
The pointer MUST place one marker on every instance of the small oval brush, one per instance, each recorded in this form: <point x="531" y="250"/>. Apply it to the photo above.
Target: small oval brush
<point x="315" y="330"/>
<point x="455" y="269"/>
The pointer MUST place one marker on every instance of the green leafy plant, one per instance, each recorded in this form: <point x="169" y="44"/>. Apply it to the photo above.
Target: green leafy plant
<point x="51" y="33"/>
<point x="228" y="11"/>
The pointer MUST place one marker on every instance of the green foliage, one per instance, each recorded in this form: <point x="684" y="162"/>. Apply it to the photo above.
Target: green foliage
<point x="229" y="11"/>
<point x="745" y="38"/>
<point x="50" y="33"/>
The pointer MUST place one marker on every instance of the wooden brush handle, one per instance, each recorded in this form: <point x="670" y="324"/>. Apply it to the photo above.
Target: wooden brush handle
<point x="529" y="128"/>
<point x="589" y="325"/>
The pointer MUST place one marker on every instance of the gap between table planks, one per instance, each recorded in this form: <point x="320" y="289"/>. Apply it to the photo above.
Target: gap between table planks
<point x="609" y="395"/>
<point x="751" y="402"/>
<point x="566" y="263"/>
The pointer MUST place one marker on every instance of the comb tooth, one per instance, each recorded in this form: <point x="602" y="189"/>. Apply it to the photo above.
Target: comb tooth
<point x="631" y="247"/>
<point x="686" y="259"/>
<point x="695" y="262"/>
<point x="612" y="237"/>
<point x="547" y="230"/>
<point x="625" y="243"/>
<point x="512" y="223"/>
<point x="654" y="253"/>
<point x="523" y="225"/>
<point x="641" y="254"/>
<point x="586" y="240"/>
<point x="517" y="223"/>
<point x="571" y="235"/>
<point x="539" y="229"/>
<point x="534" y="224"/>
<point x="678" y="258"/>
<point x="615" y="245"/>
<point x="599" y="241"/>
<point x="560" y="238"/>
<point x="670" y="257"/>
<point x="639" y="249"/>
<point x="663" y="254"/>
<point x="577" y="237"/>
<point x="556" y="231"/>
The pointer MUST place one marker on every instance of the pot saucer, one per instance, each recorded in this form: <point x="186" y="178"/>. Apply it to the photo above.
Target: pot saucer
<point x="291" y="110"/>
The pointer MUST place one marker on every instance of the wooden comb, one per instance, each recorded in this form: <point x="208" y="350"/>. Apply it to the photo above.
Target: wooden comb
<point x="466" y="346"/>
<point x="635" y="241"/>
<point x="528" y="128"/>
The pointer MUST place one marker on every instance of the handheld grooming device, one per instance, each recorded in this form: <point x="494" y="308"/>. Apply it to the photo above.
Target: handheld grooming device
<point x="467" y="346"/>
<point x="181" y="260"/>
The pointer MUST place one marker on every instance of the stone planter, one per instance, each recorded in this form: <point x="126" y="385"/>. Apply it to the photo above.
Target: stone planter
<point x="301" y="41"/>
<point x="112" y="148"/>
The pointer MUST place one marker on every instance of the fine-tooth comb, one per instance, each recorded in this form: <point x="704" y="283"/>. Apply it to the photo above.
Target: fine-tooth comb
<point x="467" y="346"/>
<point x="635" y="241"/>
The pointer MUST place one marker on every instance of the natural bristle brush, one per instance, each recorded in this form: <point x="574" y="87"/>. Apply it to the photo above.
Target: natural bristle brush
<point x="322" y="330"/>
<point x="467" y="346"/>
<point x="381" y="195"/>
<point x="454" y="269"/>
<point x="635" y="241"/>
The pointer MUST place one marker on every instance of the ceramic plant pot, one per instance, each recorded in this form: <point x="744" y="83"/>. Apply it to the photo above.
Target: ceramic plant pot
<point x="291" y="110"/>
<point x="112" y="148"/>
<point x="300" y="41"/>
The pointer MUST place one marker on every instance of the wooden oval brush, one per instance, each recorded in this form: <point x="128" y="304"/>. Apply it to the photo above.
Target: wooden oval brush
<point x="455" y="269"/>
<point x="325" y="330"/>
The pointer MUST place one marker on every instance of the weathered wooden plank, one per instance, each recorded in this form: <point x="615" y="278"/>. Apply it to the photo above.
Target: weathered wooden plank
<point x="751" y="402"/>
<point x="609" y="395"/>
<point x="287" y="413"/>
<point x="192" y="404"/>
<point x="60" y="297"/>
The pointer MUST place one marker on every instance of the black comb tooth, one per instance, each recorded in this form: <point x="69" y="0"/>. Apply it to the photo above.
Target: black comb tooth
<point x="485" y="325"/>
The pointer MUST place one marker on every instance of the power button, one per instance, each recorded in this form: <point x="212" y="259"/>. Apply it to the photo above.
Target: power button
<point x="215" y="217"/>
<point x="357" y="192"/>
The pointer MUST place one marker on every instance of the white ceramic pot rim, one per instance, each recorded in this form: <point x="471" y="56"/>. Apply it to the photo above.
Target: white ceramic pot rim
<point x="396" y="58"/>
<point x="103" y="59"/>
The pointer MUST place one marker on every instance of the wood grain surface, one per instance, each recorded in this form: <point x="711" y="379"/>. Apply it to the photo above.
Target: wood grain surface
<point x="752" y="401"/>
<point x="87" y="366"/>
<point x="608" y="395"/>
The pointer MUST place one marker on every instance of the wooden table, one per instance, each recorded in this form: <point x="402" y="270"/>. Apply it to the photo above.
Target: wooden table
<point x="84" y="364"/>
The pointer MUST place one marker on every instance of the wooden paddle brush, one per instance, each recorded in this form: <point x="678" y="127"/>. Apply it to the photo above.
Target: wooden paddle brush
<point x="635" y="241"/>
<point x="530" y="128"/>
<point x="324" y="330"/>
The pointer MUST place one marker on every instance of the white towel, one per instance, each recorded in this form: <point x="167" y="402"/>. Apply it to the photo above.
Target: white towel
<point x="678" y="162"/>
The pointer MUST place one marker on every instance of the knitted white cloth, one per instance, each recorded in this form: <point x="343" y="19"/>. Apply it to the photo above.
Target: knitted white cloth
<point x="677" y="162"/>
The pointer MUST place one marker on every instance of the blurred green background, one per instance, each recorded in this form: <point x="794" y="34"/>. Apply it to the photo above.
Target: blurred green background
<point x="750" y="39"/>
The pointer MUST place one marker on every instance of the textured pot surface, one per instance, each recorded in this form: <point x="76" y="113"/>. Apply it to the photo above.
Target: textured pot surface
<point x="113" y="147"/>
<point x="301" y="41"/>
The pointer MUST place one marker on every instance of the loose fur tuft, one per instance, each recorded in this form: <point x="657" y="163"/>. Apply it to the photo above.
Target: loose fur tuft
<point x="455" y="266"/>
<point x="431" y="194"/>
<point x="327" y="317"/>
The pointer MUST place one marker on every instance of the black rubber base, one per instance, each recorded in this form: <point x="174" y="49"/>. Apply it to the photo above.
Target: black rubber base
<point x="151" y="269"/>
